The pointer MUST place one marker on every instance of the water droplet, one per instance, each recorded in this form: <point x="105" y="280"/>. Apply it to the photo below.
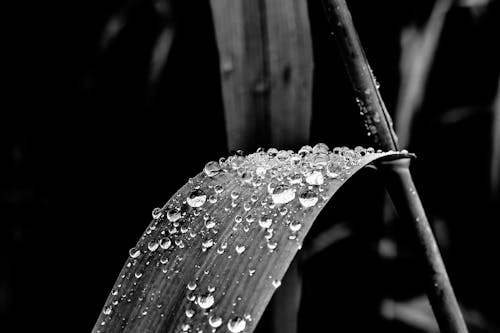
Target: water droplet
<point x="205" y="301"/>
<point x="276" y="283"/>
<point x="333" y="170"/>
<point x="189" y="313"/>
<point x="240" y="249"/>
<point x="209" y="224"/>
<point x="173" y="214"/>
<point x="185" y="327"/>
<point x="211" y="289"/>
<point x="236" y="324"/>
<point x="207" y="244"/>
<point x="282" y="194"/>
<point x="134" y="253"/>
<point x="238" y="219"/>
<point x="308" y="198"/>
<point x="235" y="194"/>
<point x="272" y="245"/>
<point x="152" y="246"/>
<point x="157" y="213"/>
<point x="165" y="243"/>
<point x="320" y="148"/>
<point x="196" y="198"/>
<point x="305" y="150"/>
<point x="315" y="178"/>
<point x="215" y="321"/>
<point x="295" y="226"/>
<point x="212" y="168"/>
<point x="250" y="218"/>
<point x="107" y="310"/>
<point x="138" y="274"/>
<point x="265" y="221"/>
<point x="218" y="189"/>
<point x="191" y="285"/>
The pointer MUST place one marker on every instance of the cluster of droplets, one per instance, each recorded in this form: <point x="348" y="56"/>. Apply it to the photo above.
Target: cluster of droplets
<point x="262" y="193"/>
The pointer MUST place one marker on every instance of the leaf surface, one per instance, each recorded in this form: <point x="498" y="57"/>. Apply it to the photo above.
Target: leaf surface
<point x="215" y="253"/>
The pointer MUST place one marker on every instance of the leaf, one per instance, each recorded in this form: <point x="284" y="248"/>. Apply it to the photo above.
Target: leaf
<point x="216" y="252"/>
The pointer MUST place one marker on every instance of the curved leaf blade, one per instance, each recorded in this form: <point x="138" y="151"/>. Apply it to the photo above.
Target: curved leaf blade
<point x="215" y="253"/>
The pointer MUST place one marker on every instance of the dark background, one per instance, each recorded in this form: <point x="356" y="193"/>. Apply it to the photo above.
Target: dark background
<point x="88" y="150"/>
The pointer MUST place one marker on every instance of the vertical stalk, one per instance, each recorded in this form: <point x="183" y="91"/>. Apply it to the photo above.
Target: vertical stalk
<point x="397" y="174"/>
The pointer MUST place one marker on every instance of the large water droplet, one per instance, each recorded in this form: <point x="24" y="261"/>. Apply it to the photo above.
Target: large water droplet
<point x="236" y="324"/>
<point x="308" y="198"/>
<point x="212" y="168"/>
<point x="205" y="301"/>
<point x="276" y="283"/>
<point x="196" y="198"/>
<point x="282" y="194"/>
<point x="215" y="321"/>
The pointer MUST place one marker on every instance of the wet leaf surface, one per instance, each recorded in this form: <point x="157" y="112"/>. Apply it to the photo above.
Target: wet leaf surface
<point x="213" y="256"/>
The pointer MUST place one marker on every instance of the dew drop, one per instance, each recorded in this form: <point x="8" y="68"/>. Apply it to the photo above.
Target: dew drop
<point x="333" y="169"/>
<point x="191" y="285"/>
<point x="173" y="214"/>
<point x="282" y="194"/>
<point x="205" y="301"/>
<point x="207" y="244"/>
<point x="165" y="243"/>
<point x="295" y="226"/>
<point x="212" y="168"/>
<point x="315" y="178"/>
<point x="276" y="283"/>
<point x="134" y="253"/>
<point x="320" y="148"/>
<point x="157" y="213"/>
<point x="152" y="246"/>
<point x="236" y="324"/>
<point x="238" y="219"/>
<point x="215" y="321"/>
<point x="265" y="221"/>
<point x="209" y="224"/>
<point x="196" y="198"/>
<point x="308" y="198"/>
<point x="189" y="313"/>
<point x="235" y="194"/>
<point x="240" y="249"/>
<point x="218" y="189"/>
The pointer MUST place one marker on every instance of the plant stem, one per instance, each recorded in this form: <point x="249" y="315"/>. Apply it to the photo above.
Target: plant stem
<point x="400" y="185"/>
<point x="377" y="120"/>
<point x="397" y="174"/>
